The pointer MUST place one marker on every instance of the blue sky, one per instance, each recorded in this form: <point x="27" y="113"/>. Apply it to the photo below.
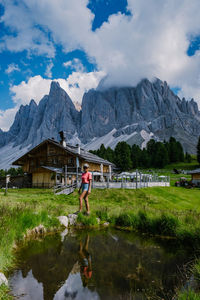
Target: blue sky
<point x="31" y="65"/>
<point x="79" y="42"/>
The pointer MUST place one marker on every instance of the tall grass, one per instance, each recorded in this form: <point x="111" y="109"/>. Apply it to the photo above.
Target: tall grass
<point x="164" y="211"/>
<point x="189" y="295"/>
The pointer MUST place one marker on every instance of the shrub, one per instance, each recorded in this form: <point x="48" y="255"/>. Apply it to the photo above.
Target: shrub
<point x="144" y="222"/>
<point x="189" y="295"/>
<point x="197" y="271"/>
<point x="126" y="220"/>
<point x="87" y="220"/>
<point x="102" y="214"/>
<point x="165" y="224"/>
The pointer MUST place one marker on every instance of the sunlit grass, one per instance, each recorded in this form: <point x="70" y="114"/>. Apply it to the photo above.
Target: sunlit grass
<point x="169" y="211"/>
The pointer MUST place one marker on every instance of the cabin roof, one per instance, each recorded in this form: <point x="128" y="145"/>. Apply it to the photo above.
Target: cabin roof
<point x="84" y="154"/>
<point x="197" y="171"/>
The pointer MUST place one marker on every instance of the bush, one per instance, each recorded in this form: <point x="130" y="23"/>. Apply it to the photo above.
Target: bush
<point x="189" y="295"/>
<point x="4" y="293"/>
<point x="125" y="220"/>
<point x="165" y="224"/>
<point x="102" y="214"/>
<point x="197" y="271"/>
<point x="144" y="222"/>
<point x="87" y="220"/>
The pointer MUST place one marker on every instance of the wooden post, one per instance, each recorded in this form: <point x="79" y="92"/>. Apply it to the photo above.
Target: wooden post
<point x="136" y="179"/>
<point x="77" y="166"/>
<point x="92" y="181"/>
<point x="7" y="181"/>
<point x="108" y="185"/>
<point x="66" y="175"/>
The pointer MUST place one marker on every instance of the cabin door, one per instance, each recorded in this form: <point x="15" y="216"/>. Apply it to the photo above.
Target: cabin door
<point x="58" y="178"/>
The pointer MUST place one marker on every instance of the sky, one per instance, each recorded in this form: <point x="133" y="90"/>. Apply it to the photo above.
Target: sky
<point x="80" y="42"/>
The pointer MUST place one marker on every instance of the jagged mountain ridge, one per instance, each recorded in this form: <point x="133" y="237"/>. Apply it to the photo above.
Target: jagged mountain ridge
<point x="134" y="114"/>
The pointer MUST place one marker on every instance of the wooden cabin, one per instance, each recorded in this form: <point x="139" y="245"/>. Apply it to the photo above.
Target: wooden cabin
<point x="195" y="176"/>
<point x="51" y="163"/>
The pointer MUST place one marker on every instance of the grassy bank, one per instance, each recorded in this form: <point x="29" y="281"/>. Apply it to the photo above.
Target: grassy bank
<point x="168" y="211"/>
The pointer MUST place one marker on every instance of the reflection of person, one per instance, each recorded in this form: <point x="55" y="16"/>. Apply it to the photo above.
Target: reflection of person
<point x="85" y="262"/>
<point x="86" y="188"/>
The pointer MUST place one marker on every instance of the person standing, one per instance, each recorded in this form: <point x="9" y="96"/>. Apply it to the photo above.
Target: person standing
<point x="86" y="188"/>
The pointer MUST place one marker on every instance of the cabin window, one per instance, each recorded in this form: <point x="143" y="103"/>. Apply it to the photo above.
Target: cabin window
<point x="55" y="160"/>
<point x="32" y="163"/>
<point x="70" y="161"/>
<point x="58" y="178"/>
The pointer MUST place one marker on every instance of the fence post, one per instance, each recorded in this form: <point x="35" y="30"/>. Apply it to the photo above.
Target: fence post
<point x="92" y="181"/>
<point x="108" y="185"/>
<point x="136" y="179"/>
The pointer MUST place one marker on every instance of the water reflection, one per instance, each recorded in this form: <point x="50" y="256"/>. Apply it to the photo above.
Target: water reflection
<point x="75" y="287"/>
<point x="98" y="265"/>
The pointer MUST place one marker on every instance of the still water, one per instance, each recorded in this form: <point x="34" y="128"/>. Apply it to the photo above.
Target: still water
<point x="94" y="265"/>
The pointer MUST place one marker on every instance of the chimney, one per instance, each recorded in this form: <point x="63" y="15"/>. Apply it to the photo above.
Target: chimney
<point x="78" y="148"/>
<point x="62" y="138"/>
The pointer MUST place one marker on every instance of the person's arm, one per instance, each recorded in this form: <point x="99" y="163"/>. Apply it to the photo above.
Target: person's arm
<point x="80" y="188"/>
<point x="90" y="183"/>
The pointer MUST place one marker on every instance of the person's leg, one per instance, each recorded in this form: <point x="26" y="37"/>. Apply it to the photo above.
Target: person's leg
<point x="81" y="200"/>
<point x="87" y="203"/>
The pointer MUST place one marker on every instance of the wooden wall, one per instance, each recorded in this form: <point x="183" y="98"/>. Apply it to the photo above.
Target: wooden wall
<point x="43" y="177"/>
<point x="48" y="155"/>
<point x="196" y="176"/>
<point x="95" y="167"/>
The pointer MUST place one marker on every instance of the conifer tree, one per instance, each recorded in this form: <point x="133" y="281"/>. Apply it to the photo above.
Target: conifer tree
<point x="123" y="156"/>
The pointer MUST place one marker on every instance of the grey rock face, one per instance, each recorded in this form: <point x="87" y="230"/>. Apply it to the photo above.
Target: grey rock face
<point x="151" y="108"/>
<point x="34" y="123"/>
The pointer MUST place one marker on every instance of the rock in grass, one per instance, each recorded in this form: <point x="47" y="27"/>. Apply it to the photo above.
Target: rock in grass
<point x="3" y="279"/>
<point x="98" y="220"/>
<point x="106" y="224"/>
<point x="63" y="220"/>
<point x="40" y="229"/>
<point x="72" y="219"/>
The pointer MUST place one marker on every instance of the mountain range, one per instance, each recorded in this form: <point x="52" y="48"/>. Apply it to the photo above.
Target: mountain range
<point x="132" y="114"/>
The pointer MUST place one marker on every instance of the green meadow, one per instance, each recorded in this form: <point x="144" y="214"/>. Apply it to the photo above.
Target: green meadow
<point x="165" y="211"/>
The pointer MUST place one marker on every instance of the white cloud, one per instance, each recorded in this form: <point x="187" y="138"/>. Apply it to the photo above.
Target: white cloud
<point x="7" y="118"/>
<point x="36" y="87"/>
<point x="12" y="68"/>
<point x="74" y="64"/>
<point x="151" y="43"/>
<point x="78" y="83"/>
<point x="48" y="71"/>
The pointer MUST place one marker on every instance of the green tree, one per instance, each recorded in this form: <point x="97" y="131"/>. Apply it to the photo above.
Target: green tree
<point x="160" y="157"/>
<point x="102" y="151"/>
<point x="173" y="150"/>
<point x="198" y="151"/>
<point x="123" y="156"/>
<point x="151" y="146"/>
<point x="145" y="160"/>
<point x="136" y="153"/>
<point x="180" y="151"/>
<point x="188" y="157"/>
<point x="109" y="154"/>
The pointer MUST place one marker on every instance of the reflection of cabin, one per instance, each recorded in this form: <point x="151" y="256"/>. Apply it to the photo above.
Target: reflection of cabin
<point x="195" y="176"/>
<point x="51" y="163"/>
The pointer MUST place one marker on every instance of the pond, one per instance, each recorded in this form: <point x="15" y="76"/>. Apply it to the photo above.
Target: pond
<point x="107" y="264"/>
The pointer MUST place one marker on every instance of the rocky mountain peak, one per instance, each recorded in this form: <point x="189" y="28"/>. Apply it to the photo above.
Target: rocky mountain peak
<point x="133" y="114"/>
